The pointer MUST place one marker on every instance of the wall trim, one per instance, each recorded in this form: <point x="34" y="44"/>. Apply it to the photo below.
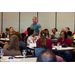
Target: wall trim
<point x="1" y="22"/>
<point x="55" y="19"/>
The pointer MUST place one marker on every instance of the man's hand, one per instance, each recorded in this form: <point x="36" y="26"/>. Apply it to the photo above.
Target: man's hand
<point x="38" y="36"/>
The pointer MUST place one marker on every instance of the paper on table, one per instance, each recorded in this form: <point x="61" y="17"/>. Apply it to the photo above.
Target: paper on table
<point x="14" y="60"/>
<point x="67" y="48"/>
<point x="29" y="60"/>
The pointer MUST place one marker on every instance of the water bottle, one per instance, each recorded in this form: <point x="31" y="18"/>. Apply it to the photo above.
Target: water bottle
<point x="24" y="53"/>
<point x="10" y="59"/>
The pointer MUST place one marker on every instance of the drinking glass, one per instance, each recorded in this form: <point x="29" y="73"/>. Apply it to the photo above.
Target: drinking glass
<point x="7" y="36"/>
<point x="24" y="53"/>
<point x="1" y="53"/>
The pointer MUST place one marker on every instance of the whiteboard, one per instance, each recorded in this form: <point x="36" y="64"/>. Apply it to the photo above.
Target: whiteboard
<point x="11" y="19"/>
<point x="26" y="20"/>
<point x="65" y="19"/>
<point x="46" y="20"/>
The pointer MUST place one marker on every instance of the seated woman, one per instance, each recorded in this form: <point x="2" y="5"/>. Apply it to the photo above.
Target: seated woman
<point x="31" y="40"/>
<point x="63" y="40"/>
<point x="4" y="35"/>
<point x="55" y="34"/>
<point x="47" y="33"/>
<point x="11" y="32"/>
<point x="23" y="37"/>
<point x="21" y="43"/>
<point x="28" y="29"/>
<point x="31" y="37"/>
<point x="70" y="37"/>
<point x="47" y="44"/>
<point x="12" y="48"/>
<point x="67" y="29"/>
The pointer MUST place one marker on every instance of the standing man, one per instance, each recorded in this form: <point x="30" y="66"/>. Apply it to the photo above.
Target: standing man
<point x="35" y="26"/>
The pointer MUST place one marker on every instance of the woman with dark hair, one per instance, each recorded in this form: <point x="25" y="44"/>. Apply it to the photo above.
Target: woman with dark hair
<point x="23" y="37"/>
<point x="55" y="34"/>
<point x="31" y="37"/>
<point x="12" y="48"/>
<point x="4" y="35"/>
<point x="28" y="29"/>
<point x="21" y="43"/>
<point x="47" y="44"/>
<point x="63" y="40"/>
<point x="47" y="33"/>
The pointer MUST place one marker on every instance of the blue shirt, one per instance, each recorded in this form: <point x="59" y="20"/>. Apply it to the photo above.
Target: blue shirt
<point x="22" y="46"/>
<point x="36" y="27"/>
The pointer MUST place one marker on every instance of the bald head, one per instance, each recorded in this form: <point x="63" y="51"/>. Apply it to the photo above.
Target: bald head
<point x="34" y="20"/>
<point x="46" y="56"/>
<point x="62" y="29"/>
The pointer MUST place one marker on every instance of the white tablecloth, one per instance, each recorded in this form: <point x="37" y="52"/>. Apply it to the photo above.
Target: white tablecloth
<point x="5" y="59"/>
<point x="63" y="48"/>
<point x="7" y="39"/>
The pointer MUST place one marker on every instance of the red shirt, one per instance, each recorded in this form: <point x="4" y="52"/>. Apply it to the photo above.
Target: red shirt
<point x="48" y="43"/>
<point x="67" y="41"/>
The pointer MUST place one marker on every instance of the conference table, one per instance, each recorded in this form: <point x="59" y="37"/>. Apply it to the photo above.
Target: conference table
<point x="33" y="59"/>
<point x="57" y="48"/>
<point x="4" y="39"/>
<point x="6" y="59"/>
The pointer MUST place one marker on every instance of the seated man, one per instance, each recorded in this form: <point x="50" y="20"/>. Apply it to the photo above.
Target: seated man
<point x="70" y="37"/>
<point x="55" y="34"/>
<point x="46" y="56"/>
<point x="62" y="29"/>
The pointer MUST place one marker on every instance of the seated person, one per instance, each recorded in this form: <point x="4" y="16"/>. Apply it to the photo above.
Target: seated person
<point x="62" y="29"/>
<point x="2" y="43"/>
<point x="28" y="29"/>
<point x="70" y="37"/>
<point x="67" y="29"/>
<point x="23" y="37"/>
<point x="47" y="44"/>
<point x="55" y="34"/>
<point x="63" y="40"/>
<point x="4" y="35"/>
<point x="11" y="32"/>
<point x="31" y="37"/>
<point x="12" y="48"/>
<point x="47" y="33"/>
<point x="21" y="43"/>
<point x="73" y="35"/>
<point x="46" y="56"/>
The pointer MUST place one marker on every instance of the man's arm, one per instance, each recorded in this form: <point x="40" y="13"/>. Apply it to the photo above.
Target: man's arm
<point x="39" y="32"/>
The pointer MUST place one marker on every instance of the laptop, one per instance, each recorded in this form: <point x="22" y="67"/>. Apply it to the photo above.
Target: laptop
<point x="36" y="52"/>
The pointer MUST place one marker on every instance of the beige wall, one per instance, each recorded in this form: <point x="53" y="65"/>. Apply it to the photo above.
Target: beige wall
<point x="26" y="20"/>
<point x="65" y="19"/>
<point x="45" y="19"/>
<point x="0" y="22"/>
<point x="11" y="19"/>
